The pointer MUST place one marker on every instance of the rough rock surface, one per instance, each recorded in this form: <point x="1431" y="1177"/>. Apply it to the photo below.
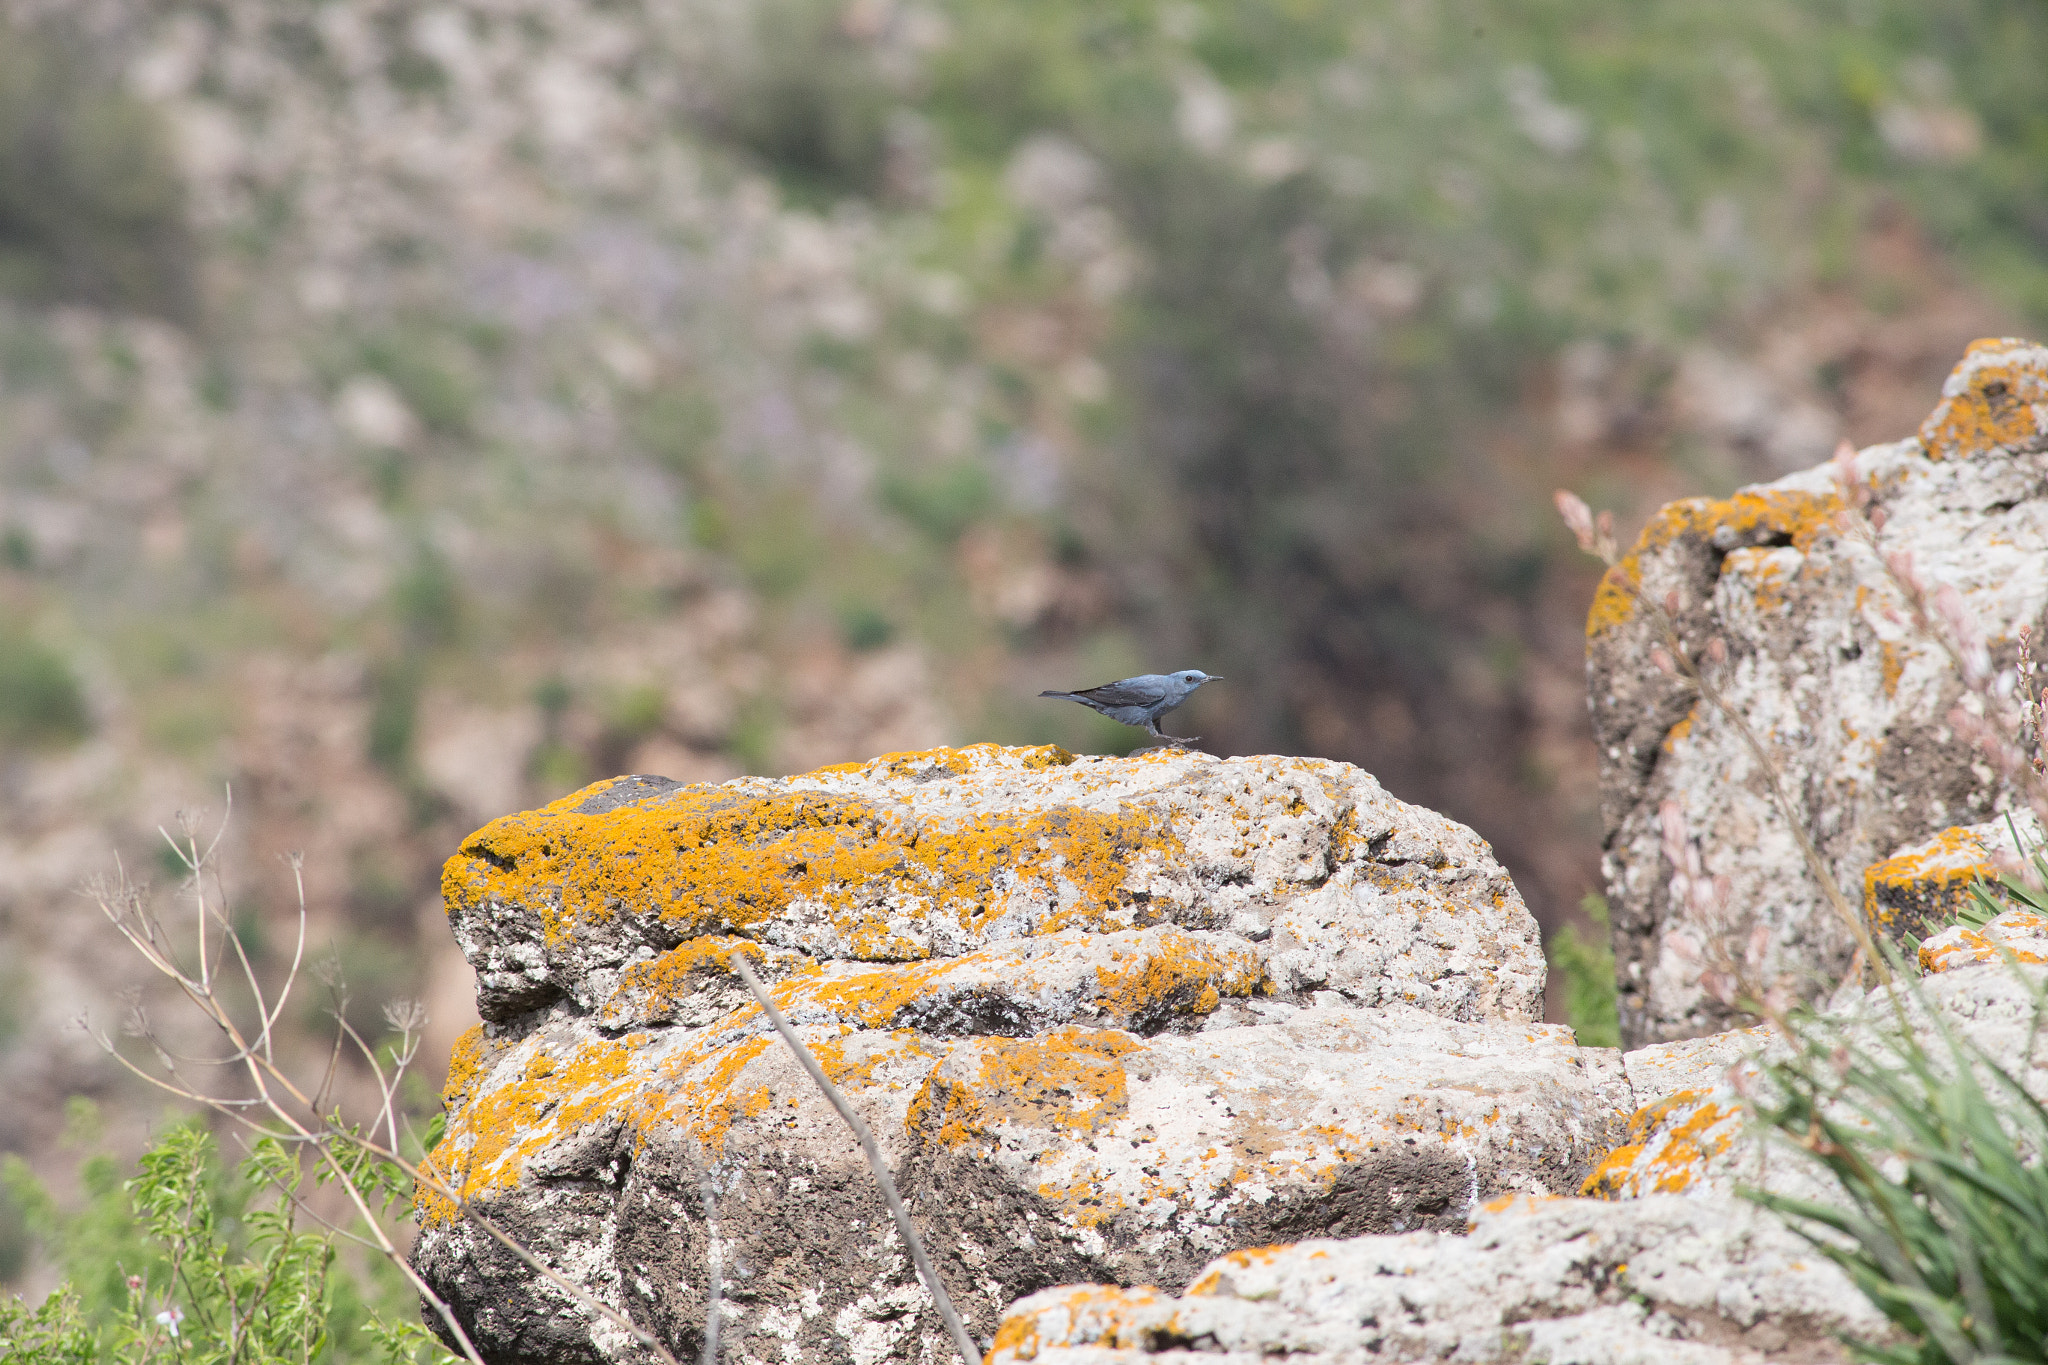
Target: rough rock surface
<point x="1669" y="1265"/>
<point x="1696" y="1140"/>
<point x="1108" y="1017"/>
<point x="1852" y="704"/>
<point x="1676" y="1281"/>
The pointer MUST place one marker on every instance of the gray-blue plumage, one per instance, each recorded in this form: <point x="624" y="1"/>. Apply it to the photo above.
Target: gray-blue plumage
<point x="1142" y="700"/>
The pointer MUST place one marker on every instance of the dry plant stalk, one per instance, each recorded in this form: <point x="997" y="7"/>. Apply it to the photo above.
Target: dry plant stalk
<point x="1596" y="538"/>
<point x="278" y="1107"/>
<point x="1736" y="979"/>
<point x="962" y="1342"/>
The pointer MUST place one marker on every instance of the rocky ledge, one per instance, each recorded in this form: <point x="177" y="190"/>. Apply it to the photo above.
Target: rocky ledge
<point x="1110" y="1018"/>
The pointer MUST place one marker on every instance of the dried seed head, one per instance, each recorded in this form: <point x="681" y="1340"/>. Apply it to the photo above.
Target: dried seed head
<point x="1578" y="518"/>
<point x="1663" y="663"/>
<point x="1717" y="650"/>
<point x="1672" y="601"/>
<point x="405" y="1016"/>
<point x="1877" y="518"/>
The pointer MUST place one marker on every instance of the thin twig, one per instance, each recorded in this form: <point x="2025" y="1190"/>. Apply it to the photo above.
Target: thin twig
<point x="961" y="1341"/>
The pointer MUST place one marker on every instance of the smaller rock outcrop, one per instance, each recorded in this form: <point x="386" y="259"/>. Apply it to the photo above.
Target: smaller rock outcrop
<point x="1913" y="894"/>
<point x="1852" y="704"/>
<point x="1668" y="1263"/>
<point x="1657" y="1279"/>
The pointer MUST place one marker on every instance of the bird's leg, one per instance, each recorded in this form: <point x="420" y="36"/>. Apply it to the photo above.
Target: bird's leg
<point x="1172" y="741"/>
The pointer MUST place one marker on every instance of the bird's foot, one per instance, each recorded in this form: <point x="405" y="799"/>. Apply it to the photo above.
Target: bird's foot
<point x="1179" y="741"/>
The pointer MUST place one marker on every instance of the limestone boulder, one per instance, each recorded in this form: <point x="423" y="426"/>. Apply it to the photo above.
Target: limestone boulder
<point x="1851" y="704"/>
<point x="1109" y="1018"/>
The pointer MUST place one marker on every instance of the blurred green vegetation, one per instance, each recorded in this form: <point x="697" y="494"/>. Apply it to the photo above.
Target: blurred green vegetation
<point x="91" y="203"/>
<point x="1582" y="968"/>
<point x="40" y="702"/>
<point x="804" y="97"/>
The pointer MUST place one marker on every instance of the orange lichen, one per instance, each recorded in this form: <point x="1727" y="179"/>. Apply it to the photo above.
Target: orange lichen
<point x="1236" y="1260"/>
<point x="1924" y="883"/>
<point x="1165" y="971"/>
<point x="1686" y="1146"/>
<point x="487" y="1145"/>
<point x="1615" y="1175"/>
<point x="1778" y="511"/>
<point x="1178" y="970"/>
<point x="653" y="989"/>
<point x="1994" y="398"/>
<point x="1767" y="574"/>
<point x="1681" y="730"/>
<point x="710" y="860"/>
<point x="465" y="1063"/>
<point x="1093" y="1314"/>
<point x="1071" y="1081"/>
<point x="1892" y="666"/>
<point x="928" y="763"/>
<point x="2018" y="935"/>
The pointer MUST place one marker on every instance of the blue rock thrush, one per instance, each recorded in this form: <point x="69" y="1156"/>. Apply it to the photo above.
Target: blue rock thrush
<point x="1142" y="700"/>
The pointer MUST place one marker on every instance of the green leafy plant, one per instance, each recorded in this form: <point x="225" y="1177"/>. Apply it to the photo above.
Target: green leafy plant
<point x="205" y="1263"/>
<point x="1583" y="965"/>
<point x="1937" y="1150"/>
<point x="200" y="1265"/>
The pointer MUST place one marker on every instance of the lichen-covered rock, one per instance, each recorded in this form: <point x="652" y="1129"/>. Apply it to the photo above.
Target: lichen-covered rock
<point x="1669" y="1264"/>
<point x="1699" y="1140"/>
<point x="1689" y="1282"/>
<point x="1852" y="704"/>
<point x="2018" y="935"/>
<point x="1915" y="892"/>
<point x="1108" y="1018"/>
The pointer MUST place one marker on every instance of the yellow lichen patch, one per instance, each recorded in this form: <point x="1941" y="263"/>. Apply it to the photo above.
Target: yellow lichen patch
<point x="707" y="1097"/>
<point x="1518" y="1200"/>
<point x="1089" y="1314"/>
<point x="1069" y="1081"/>
<point x="1768" y="573"/>
<point x="1921" y="885"/>
<point x="1777" y="511"/>
<point x="711" y="860"/>
<point x="1997" y="396"/>
<point x="488" y="1144"/>
<point x="2017" y="935"/>
<point x="930" y="763"/>
<point x="1668" y="1143"/>
<point x="464" y="1064"/>
<point x="1609" y="1177"/>
<point x="652" y="990"/>
<point x="1247" y="1259"/>
<point x="858" y="1073"/>
<point x="1892" y="666"/>
<point x="1681" y="730"/>
<point x="1678" y="1158"/>
<point x="1179" y="972"/>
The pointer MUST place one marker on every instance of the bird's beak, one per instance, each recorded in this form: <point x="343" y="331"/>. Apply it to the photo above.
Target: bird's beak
<point x="1212" y="679"/>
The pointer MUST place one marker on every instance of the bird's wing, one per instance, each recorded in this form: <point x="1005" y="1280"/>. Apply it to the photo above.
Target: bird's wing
<point x="1127" y="692"/>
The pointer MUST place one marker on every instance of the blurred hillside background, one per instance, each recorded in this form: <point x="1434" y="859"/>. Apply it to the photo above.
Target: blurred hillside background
<point x="411" y="411"/>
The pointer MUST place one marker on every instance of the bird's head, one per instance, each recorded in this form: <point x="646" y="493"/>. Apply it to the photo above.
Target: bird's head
<point x="1192" y="678"/>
